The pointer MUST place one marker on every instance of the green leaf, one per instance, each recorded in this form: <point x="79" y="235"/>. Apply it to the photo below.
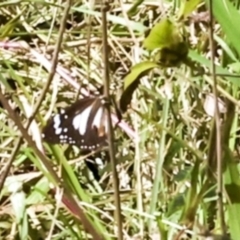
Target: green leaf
<point x="193" y="197"/>
<point x="163" y="34"/>
<point x="228" y="17"/>
<point x="168" y="44"/>
<point x="138" y="71"/>
<point x="232" y="186"/>
<point x="132" y="80"/>
<point x="187" y="7"/>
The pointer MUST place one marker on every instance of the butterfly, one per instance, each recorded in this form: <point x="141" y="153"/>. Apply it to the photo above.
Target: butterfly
<point x="83" y="124"/>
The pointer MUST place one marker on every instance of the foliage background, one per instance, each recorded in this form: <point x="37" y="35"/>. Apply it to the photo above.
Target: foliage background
<point x="166" y="145"/>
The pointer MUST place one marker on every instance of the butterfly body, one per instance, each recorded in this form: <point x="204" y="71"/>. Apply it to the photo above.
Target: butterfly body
<point x="83" y="124"/>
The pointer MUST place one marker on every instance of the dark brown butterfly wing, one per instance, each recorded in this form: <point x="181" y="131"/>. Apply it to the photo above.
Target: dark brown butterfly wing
<point x="82" y="124"/>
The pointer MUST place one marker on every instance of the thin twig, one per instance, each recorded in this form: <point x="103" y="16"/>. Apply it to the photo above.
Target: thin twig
<point x="110" y="133"/>
<point x="54" y="59"/>
<point x="218" y="124"/>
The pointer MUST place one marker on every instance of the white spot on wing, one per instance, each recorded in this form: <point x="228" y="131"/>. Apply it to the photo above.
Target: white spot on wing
<point x="56" y="124"/>
<point x="80" y="121"/>
<point x="58" y="131"/>
<point x="98" y="117"/>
